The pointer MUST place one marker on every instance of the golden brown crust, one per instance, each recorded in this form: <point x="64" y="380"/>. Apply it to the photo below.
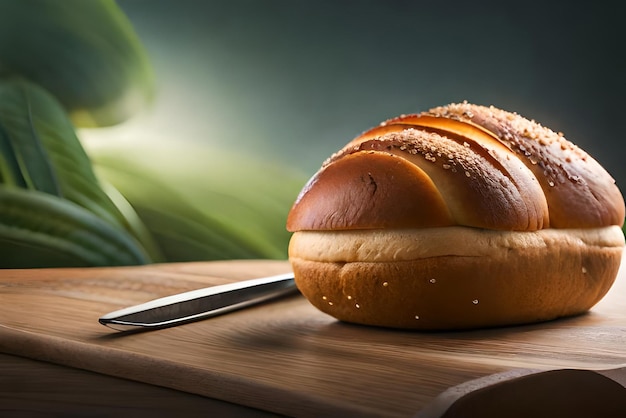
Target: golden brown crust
<point x="460" y="217"/>
<point x="472" y="184"/>
<point x="492" y="169"/>
<point x="580" y="193"/>
<point x="517" y="281"/>
<point x="360" y="191"/>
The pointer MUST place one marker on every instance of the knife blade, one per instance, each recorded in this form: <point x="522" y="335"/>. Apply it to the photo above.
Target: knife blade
<point x="199" y="304"/>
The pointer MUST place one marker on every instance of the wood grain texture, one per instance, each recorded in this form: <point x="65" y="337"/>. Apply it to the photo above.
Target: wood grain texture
<point x="283" y="357"/>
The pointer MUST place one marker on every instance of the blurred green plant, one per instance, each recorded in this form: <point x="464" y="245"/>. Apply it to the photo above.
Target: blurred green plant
<point x="85" y="53"/>
<point x="211" y="205"/>
<point x="49" y="193"/>
<point x="74" y="63"/>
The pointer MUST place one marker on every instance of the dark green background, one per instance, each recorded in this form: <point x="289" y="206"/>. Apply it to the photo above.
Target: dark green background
<point x="295" y="80"/>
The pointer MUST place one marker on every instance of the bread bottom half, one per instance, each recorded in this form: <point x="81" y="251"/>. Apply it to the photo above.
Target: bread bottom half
<point x="455" y="277"/>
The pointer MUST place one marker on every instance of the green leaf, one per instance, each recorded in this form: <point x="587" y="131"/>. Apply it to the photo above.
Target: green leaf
<point x="85" y="53"/>
<point x="37" y="137"/>
<point x="41" y="230"/>
<point x="40" y="151"/>
<point x="202" y="203"/>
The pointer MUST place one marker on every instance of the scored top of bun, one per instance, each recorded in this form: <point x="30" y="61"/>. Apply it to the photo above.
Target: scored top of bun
<point x="460" y="164"/>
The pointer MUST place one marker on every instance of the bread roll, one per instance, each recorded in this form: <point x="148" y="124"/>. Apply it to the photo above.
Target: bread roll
<point x="461" y="217"/>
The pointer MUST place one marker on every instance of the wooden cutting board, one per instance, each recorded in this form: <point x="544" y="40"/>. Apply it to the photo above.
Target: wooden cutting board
<point x="285" y="356"/>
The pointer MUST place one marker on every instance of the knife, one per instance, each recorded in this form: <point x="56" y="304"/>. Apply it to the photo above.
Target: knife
<point x="199" y="304"/>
